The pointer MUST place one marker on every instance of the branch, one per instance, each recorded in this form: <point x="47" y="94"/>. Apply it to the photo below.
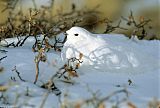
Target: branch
<point x="2" y="58"/>
<point x="37" y="69"/>
<point x="51" y="87"/>
<point x="111" y="95"/>
<point x="18" y="73"/>
<point x="40" y="57"/>
<point x="3" y="51"/>
<point x="111" y="28"/>
<point x="44" y="99"/>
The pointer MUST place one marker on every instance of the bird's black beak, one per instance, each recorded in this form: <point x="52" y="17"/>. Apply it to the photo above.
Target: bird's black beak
<point x="65" y="34"/>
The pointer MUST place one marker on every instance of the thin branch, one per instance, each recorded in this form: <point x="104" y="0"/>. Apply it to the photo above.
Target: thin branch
<point x="37" y="70"/>
<point x="111" y="95"/>
<point x="111" y="28"/>
<point x="18" y="74"/>
<point x="40" y="57"/>
<point x="3" y="51"/>
<point x="44" y="99"/>
<point x="3" y="58"/>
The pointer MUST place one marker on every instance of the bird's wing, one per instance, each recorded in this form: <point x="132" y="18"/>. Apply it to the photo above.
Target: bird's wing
<point x="121" y="52"/>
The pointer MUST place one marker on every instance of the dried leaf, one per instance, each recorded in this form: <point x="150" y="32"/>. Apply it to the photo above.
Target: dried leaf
<point x="43" y="58"/>
<point x="33" y="49"/>
<point x="131" y="105"/>
<point x="78" y="105"/>
<point x="3" y="88"/>
<point x="130" y="18"/>
<point x="41" y="50"/>
<point x="141" y="19"/>
<point x="102" y="105"/>
<point x="77" y="65"/>
<point x="1" y="69"/>
<point x="72" y="73"/>
<point x="80" y="56"/>
<point x="65" y="66"/>
<point x="47" y="44"/>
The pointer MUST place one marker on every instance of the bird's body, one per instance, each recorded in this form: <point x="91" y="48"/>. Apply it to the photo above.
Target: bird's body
<point x="105" y="51"/>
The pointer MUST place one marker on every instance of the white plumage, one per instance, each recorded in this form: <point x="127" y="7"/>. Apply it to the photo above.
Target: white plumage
<point x="107" y="52"/>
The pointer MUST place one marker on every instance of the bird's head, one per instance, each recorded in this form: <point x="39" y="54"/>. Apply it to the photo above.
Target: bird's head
<point x="77" y="34"/>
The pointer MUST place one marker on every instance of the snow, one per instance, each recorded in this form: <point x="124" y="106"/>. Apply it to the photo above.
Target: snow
<point x="122" y="59"/>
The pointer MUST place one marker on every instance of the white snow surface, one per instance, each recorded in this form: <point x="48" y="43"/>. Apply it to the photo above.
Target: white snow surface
<point x="109" y="60"/>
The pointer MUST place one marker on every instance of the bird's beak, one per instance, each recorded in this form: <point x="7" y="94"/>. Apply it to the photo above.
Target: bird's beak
<point x="65" y="34"/>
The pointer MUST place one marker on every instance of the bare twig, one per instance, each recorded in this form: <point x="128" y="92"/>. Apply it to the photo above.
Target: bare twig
<point x="18" y="73"/>
<point x="44" y="99"/>
<point x="69" y="68"/>
<point x="3" y="58"/>
<point x="4" y="99"/>
<point x="3" y="51"/>
<point x="51" y="87"/>
<point x="139" y="27"/>
<point x="37" y="60"/>
<point x="111" y="28"/>
<point x="111" y="95"/>
<point x="40" y="57"/>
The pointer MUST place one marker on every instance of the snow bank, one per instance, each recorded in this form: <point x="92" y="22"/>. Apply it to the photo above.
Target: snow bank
<point x="115" y="55"/>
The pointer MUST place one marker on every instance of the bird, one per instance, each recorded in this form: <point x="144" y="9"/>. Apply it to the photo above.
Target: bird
<point x="108" y="52"/>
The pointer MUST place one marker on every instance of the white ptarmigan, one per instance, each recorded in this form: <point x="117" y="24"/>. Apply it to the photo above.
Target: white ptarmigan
<point x="109" y="52"/>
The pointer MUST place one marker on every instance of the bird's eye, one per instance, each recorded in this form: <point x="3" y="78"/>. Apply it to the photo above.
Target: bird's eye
<point x="76" y="34"/>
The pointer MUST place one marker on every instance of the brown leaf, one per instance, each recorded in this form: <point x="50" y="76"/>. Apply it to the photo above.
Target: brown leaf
<point x="141" y="19"/>
<point x="72" y="73"/>
<point x="41" y="50"/>
<point x="102" y="105"/>
<point x="1" y="69"/>
<point x="78" y="105"/>
<point x="65" y="67"/>
<point x="77" y="65"/>
<point x="80" y="56"/>
<point x="131" y="105"/>
<point x="33" y="49"/>
<point x="130" y="18"/>
<point x="3" y="88"/>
